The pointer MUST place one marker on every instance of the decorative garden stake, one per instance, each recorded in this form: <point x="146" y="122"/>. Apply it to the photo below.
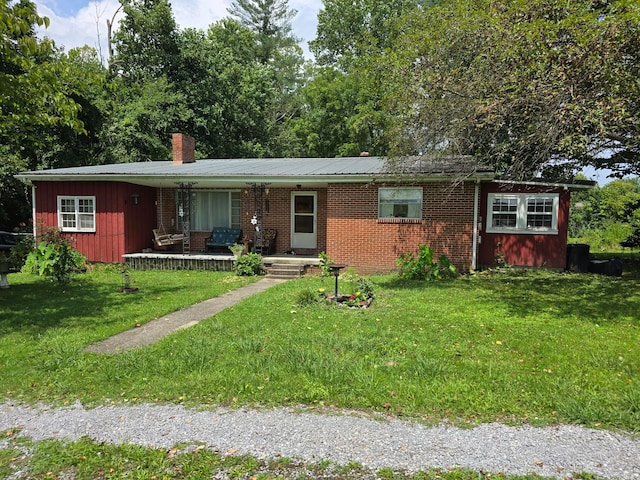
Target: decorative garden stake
<point x="126" y="284"/>
<point x="335" y="271"/>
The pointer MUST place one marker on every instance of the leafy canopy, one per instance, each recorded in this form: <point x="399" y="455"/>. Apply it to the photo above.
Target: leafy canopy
<point x="523" y="85"/>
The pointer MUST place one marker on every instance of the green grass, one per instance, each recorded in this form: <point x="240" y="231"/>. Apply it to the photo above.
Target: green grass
<point x="535" y="347"/>
<point x="87" y="460"/>
<point x="515" y="346"/>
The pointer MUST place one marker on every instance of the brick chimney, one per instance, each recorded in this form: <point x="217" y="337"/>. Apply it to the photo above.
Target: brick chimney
<point x="184" y="148"/>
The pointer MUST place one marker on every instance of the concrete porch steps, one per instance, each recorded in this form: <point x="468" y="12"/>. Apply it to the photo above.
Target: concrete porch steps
<point x="285" y="270"/>
<point x="288" y="266"/>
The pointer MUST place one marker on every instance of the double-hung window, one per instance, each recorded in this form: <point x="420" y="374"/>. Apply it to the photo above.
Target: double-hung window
<point x="402" y="202"/>
<point x="215" y="208"/>
<point x="523" y="213"/>
<point x="77" y="214"/>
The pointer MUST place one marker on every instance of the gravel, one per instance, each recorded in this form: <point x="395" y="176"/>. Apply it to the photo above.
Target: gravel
<point x="341" y="437"/>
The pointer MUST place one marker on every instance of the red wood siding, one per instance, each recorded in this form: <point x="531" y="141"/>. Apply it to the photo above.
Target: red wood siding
<point x="121" y="226"/>
<point x="357" y="238"/>
<point x="523" y="249"/>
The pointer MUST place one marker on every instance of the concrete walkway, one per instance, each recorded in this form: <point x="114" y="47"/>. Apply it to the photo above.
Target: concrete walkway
<point x="157" y="329"/>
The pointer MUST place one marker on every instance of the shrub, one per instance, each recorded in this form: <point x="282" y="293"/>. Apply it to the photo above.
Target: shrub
<point x="53" y="257"/>
<point x="423" y="267"/>
<point x="248" y="265"/>
<point x="18" y="254"/>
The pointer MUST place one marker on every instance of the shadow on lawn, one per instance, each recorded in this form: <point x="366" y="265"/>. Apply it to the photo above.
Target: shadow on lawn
<point x="586" y="297"/>
<point x="522" y="293"/>
<point x="33" y="307"/>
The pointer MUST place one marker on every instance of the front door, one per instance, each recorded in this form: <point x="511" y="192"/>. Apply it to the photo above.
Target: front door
<point x="304" y="220"/>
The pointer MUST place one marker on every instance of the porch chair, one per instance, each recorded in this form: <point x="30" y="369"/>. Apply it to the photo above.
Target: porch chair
<point x="266" y="243"/>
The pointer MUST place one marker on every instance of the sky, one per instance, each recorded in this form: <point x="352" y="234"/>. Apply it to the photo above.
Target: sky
<point x="75" y="23"/>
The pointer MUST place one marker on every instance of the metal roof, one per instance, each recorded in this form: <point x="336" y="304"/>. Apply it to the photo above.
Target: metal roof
<point x="234" y="172"/>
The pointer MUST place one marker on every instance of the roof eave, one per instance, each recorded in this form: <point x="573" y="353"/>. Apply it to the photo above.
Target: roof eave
<point x="30" y="177"/>
<point x="553" y="184"/>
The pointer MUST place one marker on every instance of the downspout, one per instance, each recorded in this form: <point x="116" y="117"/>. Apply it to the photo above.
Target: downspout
<point x="476" y="200"/>
<point x="33" y="210"/>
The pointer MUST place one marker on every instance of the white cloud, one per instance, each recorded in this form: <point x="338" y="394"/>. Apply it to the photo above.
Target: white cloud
<point x="88" y="25"/>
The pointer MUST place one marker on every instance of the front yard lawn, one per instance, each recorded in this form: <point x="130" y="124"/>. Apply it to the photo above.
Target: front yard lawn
<point x="534" y="347"/>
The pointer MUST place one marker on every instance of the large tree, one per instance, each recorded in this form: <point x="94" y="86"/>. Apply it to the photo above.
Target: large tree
<point x="230" y="93"/>
<point x="270" y="20"/>
<point x="524" y="85"/>
<point x="38" y="101"/>
<point x="277" y="49"/>
<point x="340" y="116"/>
<point x="349" y="30"/>
<point x="146" y="42"/>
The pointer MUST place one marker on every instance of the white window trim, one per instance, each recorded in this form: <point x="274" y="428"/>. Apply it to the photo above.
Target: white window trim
<point x="417" y="201"/>
<point x="521" y="214"/>
<point x="76" y="214"/>
<point x="194" y="206"/>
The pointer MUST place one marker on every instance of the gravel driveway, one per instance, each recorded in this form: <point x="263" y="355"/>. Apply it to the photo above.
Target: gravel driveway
<point x="342" y="437"/>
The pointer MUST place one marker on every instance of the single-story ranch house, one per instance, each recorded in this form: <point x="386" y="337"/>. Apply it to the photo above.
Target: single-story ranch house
<point x="353" y="209"/>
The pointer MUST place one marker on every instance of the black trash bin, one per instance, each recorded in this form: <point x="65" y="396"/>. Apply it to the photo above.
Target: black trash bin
<point x="578" y="257"/>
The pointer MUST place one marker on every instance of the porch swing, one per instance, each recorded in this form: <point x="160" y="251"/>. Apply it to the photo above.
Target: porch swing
<point x="161" y="239"/>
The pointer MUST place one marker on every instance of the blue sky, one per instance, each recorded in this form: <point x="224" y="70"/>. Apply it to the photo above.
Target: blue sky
<point x="75" y="23"/>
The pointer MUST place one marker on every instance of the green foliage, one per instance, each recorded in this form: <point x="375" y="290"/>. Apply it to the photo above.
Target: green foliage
<point x="605" y="216"/>
<point x="348" y="31"/>
<point x="19" y="253"/>
<point x="237" y="249"/>
<point x="343" y="116"/>
<point x="41" y="105"/>
<point x="54" y="257"/>
<point x="248" y="265"/>
<point x="423" y="266"/>
<point x="325" y="263"/>
<point x="307" y="296"/>
<point x="518" y="85"/>
<point x="33" y="91"/>
<point x="364" y="288"/>
<point x="146" y="42"/>
<point x="270" y="20"/>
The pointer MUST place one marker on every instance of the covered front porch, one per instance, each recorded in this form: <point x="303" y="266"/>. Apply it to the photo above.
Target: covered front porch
<point x="273" y="264"/>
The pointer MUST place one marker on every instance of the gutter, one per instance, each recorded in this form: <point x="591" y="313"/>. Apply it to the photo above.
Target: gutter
<point x="282" y="180"/>
<point x="565" y="185"/>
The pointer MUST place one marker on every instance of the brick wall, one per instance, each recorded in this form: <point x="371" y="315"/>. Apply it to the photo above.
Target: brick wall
<point x="357" y="238"/>
<point x="277" y="214"/>
<point x="348" y="227"/>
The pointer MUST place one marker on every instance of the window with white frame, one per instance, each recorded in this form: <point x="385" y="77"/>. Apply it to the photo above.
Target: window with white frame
<point x="400" y="202"/>
<point x="215" y="208"/>
<point x="77" y="214"/>
<point x="522" y="213"/>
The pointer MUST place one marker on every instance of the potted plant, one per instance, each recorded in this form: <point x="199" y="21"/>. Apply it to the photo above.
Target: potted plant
<point x="237" y="249"/>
